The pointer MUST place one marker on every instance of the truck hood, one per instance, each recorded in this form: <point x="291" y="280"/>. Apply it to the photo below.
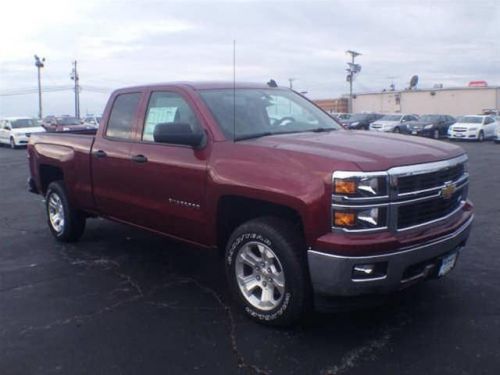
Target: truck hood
<point x="369" y="151"/>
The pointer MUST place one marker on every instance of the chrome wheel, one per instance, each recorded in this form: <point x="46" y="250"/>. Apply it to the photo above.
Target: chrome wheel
<point x="12" y="143"/>
<point x="260" y="276"/>
<point x="56" y="212"/>
<point x="436" y="134"/>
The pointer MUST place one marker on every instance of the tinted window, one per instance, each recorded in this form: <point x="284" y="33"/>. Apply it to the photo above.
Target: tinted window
<point x="168" y="108"/>
<point x="122" y="116"/>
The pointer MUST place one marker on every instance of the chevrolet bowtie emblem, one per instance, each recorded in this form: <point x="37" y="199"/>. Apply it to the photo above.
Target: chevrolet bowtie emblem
<point x="448" y="190"/>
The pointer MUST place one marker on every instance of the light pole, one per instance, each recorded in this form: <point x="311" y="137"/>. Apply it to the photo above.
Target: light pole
<point x="290" y="80"/>
<point x="352" y="69"/>
<point x="39" y="63"/>
<point x="75" y="77"/>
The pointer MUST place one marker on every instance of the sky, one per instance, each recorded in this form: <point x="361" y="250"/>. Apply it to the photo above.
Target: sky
<point x="124" y="43"/>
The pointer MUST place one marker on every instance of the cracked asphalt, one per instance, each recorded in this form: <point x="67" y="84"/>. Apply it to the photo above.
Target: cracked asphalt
<point x="122" y="301"/>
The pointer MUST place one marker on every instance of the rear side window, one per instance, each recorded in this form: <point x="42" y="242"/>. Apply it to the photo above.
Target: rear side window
<point x="121" y="121"/>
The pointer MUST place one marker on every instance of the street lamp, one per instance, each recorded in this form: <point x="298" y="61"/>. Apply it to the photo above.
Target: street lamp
<point x="39" y="63"/>
<point x="352" y="69"/>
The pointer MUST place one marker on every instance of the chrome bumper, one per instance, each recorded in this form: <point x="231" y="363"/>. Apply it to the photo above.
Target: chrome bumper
<point x="333" y="274"/>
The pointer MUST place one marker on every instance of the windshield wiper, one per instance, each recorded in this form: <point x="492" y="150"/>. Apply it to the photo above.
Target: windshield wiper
<point x="251" y="136"/>
<point x="321" y="130"/>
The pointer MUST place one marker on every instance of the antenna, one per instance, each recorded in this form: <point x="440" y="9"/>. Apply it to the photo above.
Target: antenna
<point x="234" y="90"/>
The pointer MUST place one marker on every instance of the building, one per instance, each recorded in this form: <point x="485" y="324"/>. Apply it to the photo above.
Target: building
<point x="332" y="105"/>
<point x="451" y="101"/>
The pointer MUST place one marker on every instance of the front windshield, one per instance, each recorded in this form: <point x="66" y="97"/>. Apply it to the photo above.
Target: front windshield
<point x="23" y="123"/>
<point x="429" y="118"/>
<point x="470" y="120"/>
<point x="391" y="118"/>
<point x="248" y="113"/>
<point x="68" y="121"/>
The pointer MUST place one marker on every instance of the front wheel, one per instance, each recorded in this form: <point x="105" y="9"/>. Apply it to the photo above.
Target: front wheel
<point x="266" y="270"/>
<point x="396" y="130"/>
<point x="436" y="134"/>
<point x="480" y="137"/>
<point x="12" y="143"/>
<point x="65" y="223"/>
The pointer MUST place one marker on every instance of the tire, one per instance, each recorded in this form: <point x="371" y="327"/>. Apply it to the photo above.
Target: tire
<point x="283" y="268"/>
<point x="480" y="137"/>
<point x="396" y="130"/>
<point x="65" y="223"/>
<point x="435" y="134"/>
<point x="12" y="143"/>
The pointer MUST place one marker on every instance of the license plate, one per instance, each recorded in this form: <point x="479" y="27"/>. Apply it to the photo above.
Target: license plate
<point x="460" y="135"/>
<point x="447" y="264"/>
<point x="414" y="132"/>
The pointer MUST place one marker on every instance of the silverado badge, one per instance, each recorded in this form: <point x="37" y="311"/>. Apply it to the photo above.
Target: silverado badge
<point x="448" y="190"/>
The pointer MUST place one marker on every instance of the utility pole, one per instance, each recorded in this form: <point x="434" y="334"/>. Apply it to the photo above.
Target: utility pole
<point x="39" y="63"/>
<point x="352" y="69"/>
<point x="76" y="78"/>
<point x="291" y="82"/>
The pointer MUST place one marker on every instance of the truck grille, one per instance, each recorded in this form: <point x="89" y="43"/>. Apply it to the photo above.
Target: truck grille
<point x="418" y="182"/>
<point x="422" y="212"/>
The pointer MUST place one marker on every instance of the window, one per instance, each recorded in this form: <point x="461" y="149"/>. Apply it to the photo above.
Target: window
<point x="168" y="108"/>
<point x="121" y="121"/>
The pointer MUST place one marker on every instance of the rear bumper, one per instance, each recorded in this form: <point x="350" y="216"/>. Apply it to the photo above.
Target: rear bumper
<point x="333" y="274"/>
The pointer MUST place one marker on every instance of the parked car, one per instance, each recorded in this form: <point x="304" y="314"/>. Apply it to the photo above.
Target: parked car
<point x="339" y="116"/>
<point x="497" y="136"/>
<point x="361" y="120"/>
<point x="392" y="122"/>
<point x="92" y="120"/>
<point x="67" y="124"/>
<point x="475" y="127"/>
<point x="16" y="131"/>
<point x="435" y="126"/>
<point x="302" y="209"/>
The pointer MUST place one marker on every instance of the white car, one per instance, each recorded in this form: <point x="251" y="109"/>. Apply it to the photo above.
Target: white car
<point x="497" y="137"/>
<point x="16" y="131"/>
<point x="92" y="120"/>
<point x="475" y="127"/>
<point x="392" y="123"/>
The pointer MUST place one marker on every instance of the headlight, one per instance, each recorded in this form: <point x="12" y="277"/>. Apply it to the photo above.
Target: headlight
<point x="360" y="219"/>
<point x="428" y="126"/>
<point x="359" y="185"/>
<point x="355" y="123"/>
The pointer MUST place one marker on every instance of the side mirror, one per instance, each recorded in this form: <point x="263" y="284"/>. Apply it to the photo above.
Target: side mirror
<point x="178" y="133"/>
<point x="7" y="127"/>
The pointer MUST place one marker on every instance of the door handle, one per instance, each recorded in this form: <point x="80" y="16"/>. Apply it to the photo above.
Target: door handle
<point x="99" y="154"/>
<point x="139" y="159"/>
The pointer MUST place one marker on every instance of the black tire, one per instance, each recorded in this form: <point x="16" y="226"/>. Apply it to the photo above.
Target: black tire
<point x="396" y="130"/>
<point x="73" y="220"/>
<point x="12" y="143"/>
<point x="480" y="137"/>
<point x="282" y="238"/>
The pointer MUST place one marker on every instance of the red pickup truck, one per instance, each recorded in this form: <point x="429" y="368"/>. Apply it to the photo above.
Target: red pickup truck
<point x="302" y="208"/>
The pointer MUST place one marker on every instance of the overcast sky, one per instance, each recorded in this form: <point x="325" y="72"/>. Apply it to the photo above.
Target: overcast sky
<point x="121" y="43"/>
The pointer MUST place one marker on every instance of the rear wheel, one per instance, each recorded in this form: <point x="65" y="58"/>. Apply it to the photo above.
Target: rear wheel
<point x="266" y="270"/>
<point x="65" y="223"/>
<point x="480" y="137"/>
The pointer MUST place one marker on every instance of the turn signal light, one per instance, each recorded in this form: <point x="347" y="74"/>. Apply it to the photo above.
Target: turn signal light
<point x="345" y="186"/>
<point x="345" y="219"/>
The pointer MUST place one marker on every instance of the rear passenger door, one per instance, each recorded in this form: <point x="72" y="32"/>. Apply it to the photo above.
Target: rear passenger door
<point x="170" y="179"/>
<point x="110" y="159"/>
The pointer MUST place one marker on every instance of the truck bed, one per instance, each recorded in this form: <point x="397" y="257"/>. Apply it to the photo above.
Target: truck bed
<point x="68" y="154"/>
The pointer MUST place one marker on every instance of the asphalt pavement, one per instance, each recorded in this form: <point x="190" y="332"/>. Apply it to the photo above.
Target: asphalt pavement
<point x="124" y="301"/>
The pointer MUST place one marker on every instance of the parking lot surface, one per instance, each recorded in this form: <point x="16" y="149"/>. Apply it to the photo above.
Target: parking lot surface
<point x="123" y="301"/>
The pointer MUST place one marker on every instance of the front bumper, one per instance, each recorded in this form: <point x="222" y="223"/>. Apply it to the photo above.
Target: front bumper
<point x="463" y="135"/>
<point x="333" y="274"/>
